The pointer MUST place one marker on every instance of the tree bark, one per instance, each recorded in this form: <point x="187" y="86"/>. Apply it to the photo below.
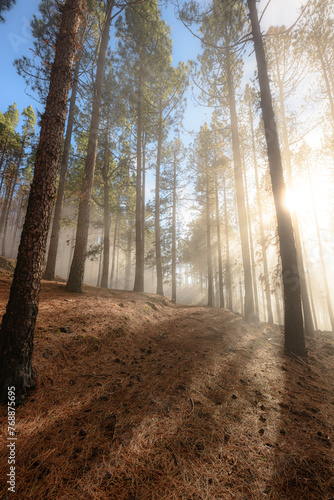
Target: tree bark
<point x="293" y="317"/>
<point x="77" y="270"/>
<point x="18" y="324"/>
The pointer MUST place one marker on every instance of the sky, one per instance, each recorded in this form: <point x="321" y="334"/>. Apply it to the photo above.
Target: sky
<point x="16" y="41"/>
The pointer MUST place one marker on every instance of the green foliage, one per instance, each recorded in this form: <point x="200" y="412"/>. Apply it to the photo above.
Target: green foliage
<point x="5" y="6"/>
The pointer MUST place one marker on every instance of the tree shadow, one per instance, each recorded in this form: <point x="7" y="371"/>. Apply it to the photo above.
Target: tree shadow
<point x="303" y="459"/>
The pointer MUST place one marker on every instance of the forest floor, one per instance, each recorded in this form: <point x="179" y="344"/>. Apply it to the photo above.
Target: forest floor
<point x="140" y="398"/>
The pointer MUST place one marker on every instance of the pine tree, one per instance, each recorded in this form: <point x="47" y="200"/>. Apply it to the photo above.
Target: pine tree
<point x="5" y="6"/>
<point x="221" y="71"/>
<point x="18" y="324"/>
<point x="75" y="279"/>
<point x="293" y="319"/>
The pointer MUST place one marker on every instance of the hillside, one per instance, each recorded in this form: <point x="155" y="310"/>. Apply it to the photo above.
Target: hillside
<point x="141" y="398"/>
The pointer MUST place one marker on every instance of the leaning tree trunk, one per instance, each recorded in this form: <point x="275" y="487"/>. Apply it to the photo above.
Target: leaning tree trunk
<point x="293" y="316"/>
<point x="55" y="231"/>
<point x="18" y="324"/>
<point x="77" y="271"/>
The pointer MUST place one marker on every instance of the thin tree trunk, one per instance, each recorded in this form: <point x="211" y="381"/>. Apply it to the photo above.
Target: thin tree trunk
<point x="98" y="281"/>
<point x="322" y="260"/>
<point x="75" y="278"/>
<point x="160" y="290"/>
<point x="262" y="237"/>
<point x="174" y="232"/>
<point x="251" y="245"/>
<point x="106" y="216"/>
<point x="16" y="224"/>
<point x="55" y="231"/>
<point x="249" y="300"/>
<point x="220" y="258"/>
<point x="139" y="271"/>
<point x="208" y="241"/>
<point x="293" y="316"/>
<point x="112" y="272"/>
<point x="18" y="324"/>
<point x="229" y="294"/>
<point x="307" y="276"/>
<point x="128" y="260"/>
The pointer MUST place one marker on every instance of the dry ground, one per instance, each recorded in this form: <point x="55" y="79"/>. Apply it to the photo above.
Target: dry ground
<point x="143" y="399"/>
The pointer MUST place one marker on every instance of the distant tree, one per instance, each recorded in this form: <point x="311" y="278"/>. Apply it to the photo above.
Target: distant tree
<point x="25" y="140"/>
<point x="286" y="76"/>
<point x="18" y="324"/>
<point x="36" y="70"/>
<point x="75" y="279"/>
<point x="293" y="317"/>
<point x="5" y="6"/>
<point x="174" y="153"/>
<point x="202" y="162"/>
<point x="143" y="48"/>
<point x="221" y="71"/>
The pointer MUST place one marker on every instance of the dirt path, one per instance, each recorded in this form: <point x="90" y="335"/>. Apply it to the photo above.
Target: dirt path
<point x="140" y="398"/>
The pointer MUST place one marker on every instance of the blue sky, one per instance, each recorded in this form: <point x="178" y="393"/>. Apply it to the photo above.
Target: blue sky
<point x="16" y="41"/>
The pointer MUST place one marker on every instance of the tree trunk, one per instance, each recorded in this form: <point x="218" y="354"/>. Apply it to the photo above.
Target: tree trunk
<point x="293" y="317"/>
<point x="208" y="240"/>
<point x="249" y="300"/>
<point x="55" y="231"/>
<point x="128" y="260"/>
<point x="75" y="278"/>
<point x="157" y="208"/>
<point x="322" y="260"/>
<point x="220" y="258"/>
<point x="262" y="237"/>
<point x="18" y="324"/>
<point x="309" y="328"/>
<point x="228" y="280"/>
<point x="251" y="245"/>
<point x="139" y="272"/>
<point x="174" y="232"/>
<point x="106" y="215"/>
<point x="112" y="272"/>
